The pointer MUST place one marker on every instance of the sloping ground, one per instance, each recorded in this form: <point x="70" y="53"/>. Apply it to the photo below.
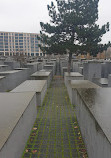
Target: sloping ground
<point x="55" y="133"/>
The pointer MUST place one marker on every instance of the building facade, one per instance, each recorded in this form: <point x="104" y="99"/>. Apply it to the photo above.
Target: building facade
<point x="15" y="43"/>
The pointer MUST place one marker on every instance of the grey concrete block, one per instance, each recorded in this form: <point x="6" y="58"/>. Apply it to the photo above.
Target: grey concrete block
<point x="52" y="67"/>
<point x="92" y="70"/>
<point x="76" y="66"/>
<point x="109" y="80"/>
<point x="93" y="114"/>
<point x="13" y="79"/>
<point x="17" y="115"/>
<point x="1" y="62"/>
<point x="40" y="66"/>
<point x="4" y="68"/>
<point x="26" y="72"/>
<point x="73" y="85"/>
<point x="37" y="86"/>
<point x="33" y="67"/>
<point x="42" y="75"/>
<point x="72" y="76"/>
<point x="63" y="63"/>
<point x="52" y="63"/>
<point x="81" y="70"/>
<point x="64" y="69"/>
<point x="102" y="82"/>
<point x="2" y="83"/>
<point x="106" y="69"/>
<point x="12" y="64"/>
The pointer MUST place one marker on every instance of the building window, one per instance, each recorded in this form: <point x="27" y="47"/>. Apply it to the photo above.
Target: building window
<point x="6" y="34"/>
<point x="1" y="43"/>
<point x="37" y="54"/>
<point x="20" y="37"/>
<point x="32" y="54"/>
<point x="6" y="53"/>
<point x="36" y="41"/>
<point x="6" y="44"/>
<point x="1" y="46"/>
<point x="20" y="34"/>
<point x="6" y="41"/>
<point x="1" y="53"/>
<point x="21" y="41"/>
<point x="37" y="49"/>
<point x="21" y="46"/>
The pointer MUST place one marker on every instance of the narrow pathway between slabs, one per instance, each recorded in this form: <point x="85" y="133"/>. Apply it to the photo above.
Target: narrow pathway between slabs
<point x="55" y="133"/>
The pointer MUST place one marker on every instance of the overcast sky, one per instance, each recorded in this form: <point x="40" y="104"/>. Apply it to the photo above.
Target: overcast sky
<point x="25" y="15"/>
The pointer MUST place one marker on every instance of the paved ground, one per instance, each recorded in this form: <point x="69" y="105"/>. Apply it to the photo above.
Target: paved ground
<point x="55" y="133"/>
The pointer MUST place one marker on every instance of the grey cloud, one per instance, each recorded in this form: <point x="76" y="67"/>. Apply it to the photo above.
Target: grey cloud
<point x="25" y="15"/>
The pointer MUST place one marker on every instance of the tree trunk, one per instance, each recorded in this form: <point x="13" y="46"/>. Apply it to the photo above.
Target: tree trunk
<point x="69" y="63"/>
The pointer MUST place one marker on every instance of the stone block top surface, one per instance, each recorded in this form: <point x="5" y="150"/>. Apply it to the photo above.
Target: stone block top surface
<point x="21" y="68"/>
<point x="45" y="70"/>
<point x="41" y="73"/>
<point x="30" y="85"/>
<point x="33" y="63"/>
<point x="76" y="74"/>
<point x="64" y="67"/>
<point x="81" y="67"/>
<point x="82" y="84"/>
<point x="48" y="65"/>
<point x="62" y="58"/>
<point x="12" y="107"/>
<point x="1" y="77"/>
<point x="10" y="72"/>
<point x="98" y="101"/>
<point x="103" y="81"/>
<point x="53" y="59"/>
<point x="3" y="65"/>
<point x="50" y="62"/>
<point x="10" y="61"/>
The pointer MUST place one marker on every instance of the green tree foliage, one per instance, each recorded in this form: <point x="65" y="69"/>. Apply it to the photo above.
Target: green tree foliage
<point x="73" y="27"/>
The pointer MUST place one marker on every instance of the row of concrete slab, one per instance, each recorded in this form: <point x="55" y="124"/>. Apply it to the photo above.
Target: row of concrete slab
<point x="18" y="108"/>
<point x="9" y="78"/>
<point x="93" y="110"/>
<point x="97" y="71"/>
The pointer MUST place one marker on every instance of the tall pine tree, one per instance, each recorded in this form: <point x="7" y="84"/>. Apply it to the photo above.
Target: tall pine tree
<point x="73" y="27"/>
